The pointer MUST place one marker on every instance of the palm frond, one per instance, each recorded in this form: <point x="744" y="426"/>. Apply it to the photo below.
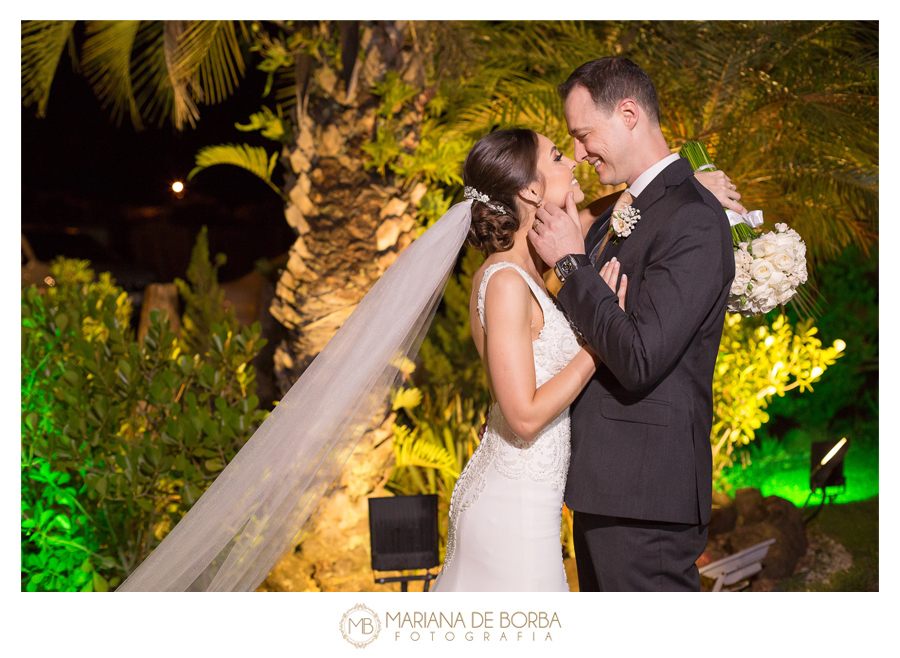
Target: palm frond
<point x="106" y="58"/>
<point x="152" y="95"/>
<point x="252" y="158"/>
<point x="209" y="51"/>
<point x="411" y="449"/>
<point x="160" y="95"/>
<point x="42" y="47"/>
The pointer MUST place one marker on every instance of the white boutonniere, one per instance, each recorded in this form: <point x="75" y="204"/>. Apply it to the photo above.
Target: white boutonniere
<point x="622" y="221"/>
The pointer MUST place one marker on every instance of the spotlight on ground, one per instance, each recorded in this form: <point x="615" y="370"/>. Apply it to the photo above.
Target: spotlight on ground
<point x="826" y="471"/>
<point x="827" y="464"/>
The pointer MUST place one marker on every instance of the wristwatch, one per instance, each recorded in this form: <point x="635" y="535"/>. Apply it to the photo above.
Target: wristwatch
<point x="566" y="265"/>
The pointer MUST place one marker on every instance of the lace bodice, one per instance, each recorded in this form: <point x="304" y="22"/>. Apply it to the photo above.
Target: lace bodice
<point x="547" y="456"/>
<point x="543" y="461"/>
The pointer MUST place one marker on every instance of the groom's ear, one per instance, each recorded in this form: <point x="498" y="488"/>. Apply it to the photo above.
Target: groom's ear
<point x="630" y="112"/>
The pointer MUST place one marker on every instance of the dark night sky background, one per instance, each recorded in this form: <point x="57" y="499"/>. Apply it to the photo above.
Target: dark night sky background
<point x="93" y="190"/>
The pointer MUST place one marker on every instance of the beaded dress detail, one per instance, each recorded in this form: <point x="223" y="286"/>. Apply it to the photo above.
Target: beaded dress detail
<point x="506" y="508"/>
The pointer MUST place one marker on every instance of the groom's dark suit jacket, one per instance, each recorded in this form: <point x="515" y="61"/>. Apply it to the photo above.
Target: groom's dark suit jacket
<point x="640" y="429"/>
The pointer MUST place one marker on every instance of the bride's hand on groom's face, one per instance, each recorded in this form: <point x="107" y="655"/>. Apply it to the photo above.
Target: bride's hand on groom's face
<point x="610" y="273"/>
<point x="557" y="231"/>
<point x="723" y="188"/>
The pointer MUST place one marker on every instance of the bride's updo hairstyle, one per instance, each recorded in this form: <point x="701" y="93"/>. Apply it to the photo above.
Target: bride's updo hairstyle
<point x="499" y="165"/>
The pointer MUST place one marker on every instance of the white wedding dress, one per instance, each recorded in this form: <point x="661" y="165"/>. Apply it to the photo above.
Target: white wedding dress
<point x="506" y="508"/>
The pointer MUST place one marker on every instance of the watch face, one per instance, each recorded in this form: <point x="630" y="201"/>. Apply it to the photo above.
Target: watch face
<point x="565" y="266"/>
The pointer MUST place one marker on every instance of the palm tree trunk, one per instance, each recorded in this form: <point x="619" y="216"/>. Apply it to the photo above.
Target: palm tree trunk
<point x="351" y="224"/>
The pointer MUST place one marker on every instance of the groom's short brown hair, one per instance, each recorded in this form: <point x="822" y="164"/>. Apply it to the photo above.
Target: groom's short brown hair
<point x="609" y="80"/>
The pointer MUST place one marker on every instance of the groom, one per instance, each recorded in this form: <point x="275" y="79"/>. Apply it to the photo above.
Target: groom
<point x="640" y="479"/>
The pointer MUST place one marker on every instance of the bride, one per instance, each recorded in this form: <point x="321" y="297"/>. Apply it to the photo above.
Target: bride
<point x="505" y="512"/>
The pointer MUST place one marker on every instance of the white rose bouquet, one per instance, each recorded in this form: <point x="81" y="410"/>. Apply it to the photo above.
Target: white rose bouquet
<point x="768" y="268"/>
<point x="767" y="271"/>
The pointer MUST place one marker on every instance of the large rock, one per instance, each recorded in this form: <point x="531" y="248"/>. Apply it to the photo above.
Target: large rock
<point x="749" y="505"/>
<point x="781" y="558"/>
<point x="724" y="514"/>
<point x="760" y="519"/>
<point x="788" y="518"/>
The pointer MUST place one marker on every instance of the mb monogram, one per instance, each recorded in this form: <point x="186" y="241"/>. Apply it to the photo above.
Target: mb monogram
<point x="360" y="625"/>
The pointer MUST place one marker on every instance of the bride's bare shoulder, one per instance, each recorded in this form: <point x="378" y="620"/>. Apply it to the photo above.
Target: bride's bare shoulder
<point x="507" y="293"/>
<point x="504" y="273"/>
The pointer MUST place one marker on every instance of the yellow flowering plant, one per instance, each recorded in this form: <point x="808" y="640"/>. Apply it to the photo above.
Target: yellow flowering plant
<point x="757" y="361"/>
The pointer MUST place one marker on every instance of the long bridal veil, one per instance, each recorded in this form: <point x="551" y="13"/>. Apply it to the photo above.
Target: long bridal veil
<point x="255" y="510"/>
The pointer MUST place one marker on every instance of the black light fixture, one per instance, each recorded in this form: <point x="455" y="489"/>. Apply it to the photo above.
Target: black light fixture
<point x="404" y="536"/>
<point x="826" y="468"/>
<point x="826" y="471"/>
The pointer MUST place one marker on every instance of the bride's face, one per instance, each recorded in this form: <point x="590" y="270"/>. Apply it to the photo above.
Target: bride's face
<point x="557" y="172"/>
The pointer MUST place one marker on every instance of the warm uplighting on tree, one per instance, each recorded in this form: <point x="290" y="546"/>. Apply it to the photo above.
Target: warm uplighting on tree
<point x="178" y="189"/>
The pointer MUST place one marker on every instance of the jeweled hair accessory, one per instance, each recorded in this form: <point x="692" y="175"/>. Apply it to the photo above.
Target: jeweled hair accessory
<point x="472" y="193"/>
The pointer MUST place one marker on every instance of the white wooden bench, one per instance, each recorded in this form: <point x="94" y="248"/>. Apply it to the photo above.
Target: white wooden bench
<point x="735" y="568"/>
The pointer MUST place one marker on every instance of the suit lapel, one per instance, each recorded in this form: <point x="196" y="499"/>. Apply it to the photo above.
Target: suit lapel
<point x="675" y="174"/>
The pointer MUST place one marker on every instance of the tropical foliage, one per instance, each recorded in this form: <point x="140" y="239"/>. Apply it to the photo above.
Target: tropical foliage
<point x="788" y="109"/>
<point x="119" y="439"/>
<point x="151" y="71"/>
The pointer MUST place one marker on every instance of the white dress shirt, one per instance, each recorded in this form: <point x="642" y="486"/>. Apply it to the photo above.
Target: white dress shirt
<point x="641" y="182"/>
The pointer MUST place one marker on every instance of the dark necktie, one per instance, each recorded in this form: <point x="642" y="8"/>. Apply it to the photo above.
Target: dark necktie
<point x="596" y="250"/>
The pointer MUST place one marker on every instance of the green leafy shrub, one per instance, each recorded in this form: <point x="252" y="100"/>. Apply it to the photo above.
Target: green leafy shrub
<point x="136" y="431"/>
<point x="59" y="546"/>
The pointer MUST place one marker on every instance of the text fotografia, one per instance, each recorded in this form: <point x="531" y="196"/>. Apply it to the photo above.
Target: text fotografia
<point x="478" y="626"/>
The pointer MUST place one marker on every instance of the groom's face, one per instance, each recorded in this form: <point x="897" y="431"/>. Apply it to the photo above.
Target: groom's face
<point x="599" y="139"/>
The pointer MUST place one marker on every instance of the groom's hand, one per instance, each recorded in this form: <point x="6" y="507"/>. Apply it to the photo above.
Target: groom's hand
<point x="557" y="232"/>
